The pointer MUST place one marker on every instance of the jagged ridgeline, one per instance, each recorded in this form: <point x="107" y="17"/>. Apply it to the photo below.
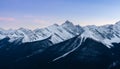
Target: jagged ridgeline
<point x="65" y="46"/>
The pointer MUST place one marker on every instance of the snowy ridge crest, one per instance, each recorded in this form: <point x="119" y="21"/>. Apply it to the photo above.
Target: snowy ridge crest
<point x="58" y="33"/>
<point x="106" y="34"/>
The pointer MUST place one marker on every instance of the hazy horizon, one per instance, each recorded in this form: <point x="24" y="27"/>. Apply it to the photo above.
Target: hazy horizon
<point x="42" y="13"/>
<point x="51" y="25"/>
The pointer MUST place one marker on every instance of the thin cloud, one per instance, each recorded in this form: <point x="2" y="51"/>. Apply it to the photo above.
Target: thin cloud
<point x="40" y="21"/>
<point x="7" y="19"/>
<point x="28" y="16"/>
<point x="32" y="16"/>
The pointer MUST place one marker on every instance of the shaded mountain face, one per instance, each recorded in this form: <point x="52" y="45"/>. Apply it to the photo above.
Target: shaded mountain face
<point x="65" y="46"/>
<point x="75" y="53"/>
<point x="12" y="52"/>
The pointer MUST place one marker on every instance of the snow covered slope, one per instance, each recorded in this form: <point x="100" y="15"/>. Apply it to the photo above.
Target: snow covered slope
<point x="106" y="34"/>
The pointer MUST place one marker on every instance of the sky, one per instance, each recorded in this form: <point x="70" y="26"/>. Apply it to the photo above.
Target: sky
<point x="41" y="13"/>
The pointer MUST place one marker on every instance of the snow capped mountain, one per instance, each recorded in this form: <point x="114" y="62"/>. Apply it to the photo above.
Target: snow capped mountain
<point x="58" y="33"/>
<point x="106" y="34"/>
<point x="61" y="46"/>
<point x="73" y="29"/>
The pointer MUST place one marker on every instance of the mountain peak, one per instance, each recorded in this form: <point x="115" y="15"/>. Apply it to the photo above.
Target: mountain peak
<point x="67" y="23"/>
<point x="22" y="28"/>
<point x="55" y="25"/>
<point x="118" y="22"/>
<point x="2" y="29"/>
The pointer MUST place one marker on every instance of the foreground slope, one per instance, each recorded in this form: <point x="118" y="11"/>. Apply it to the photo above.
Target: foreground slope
<point x="75" y="53"/>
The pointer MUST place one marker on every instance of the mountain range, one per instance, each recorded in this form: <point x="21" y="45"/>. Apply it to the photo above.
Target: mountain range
<point x="65" y="46"/>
